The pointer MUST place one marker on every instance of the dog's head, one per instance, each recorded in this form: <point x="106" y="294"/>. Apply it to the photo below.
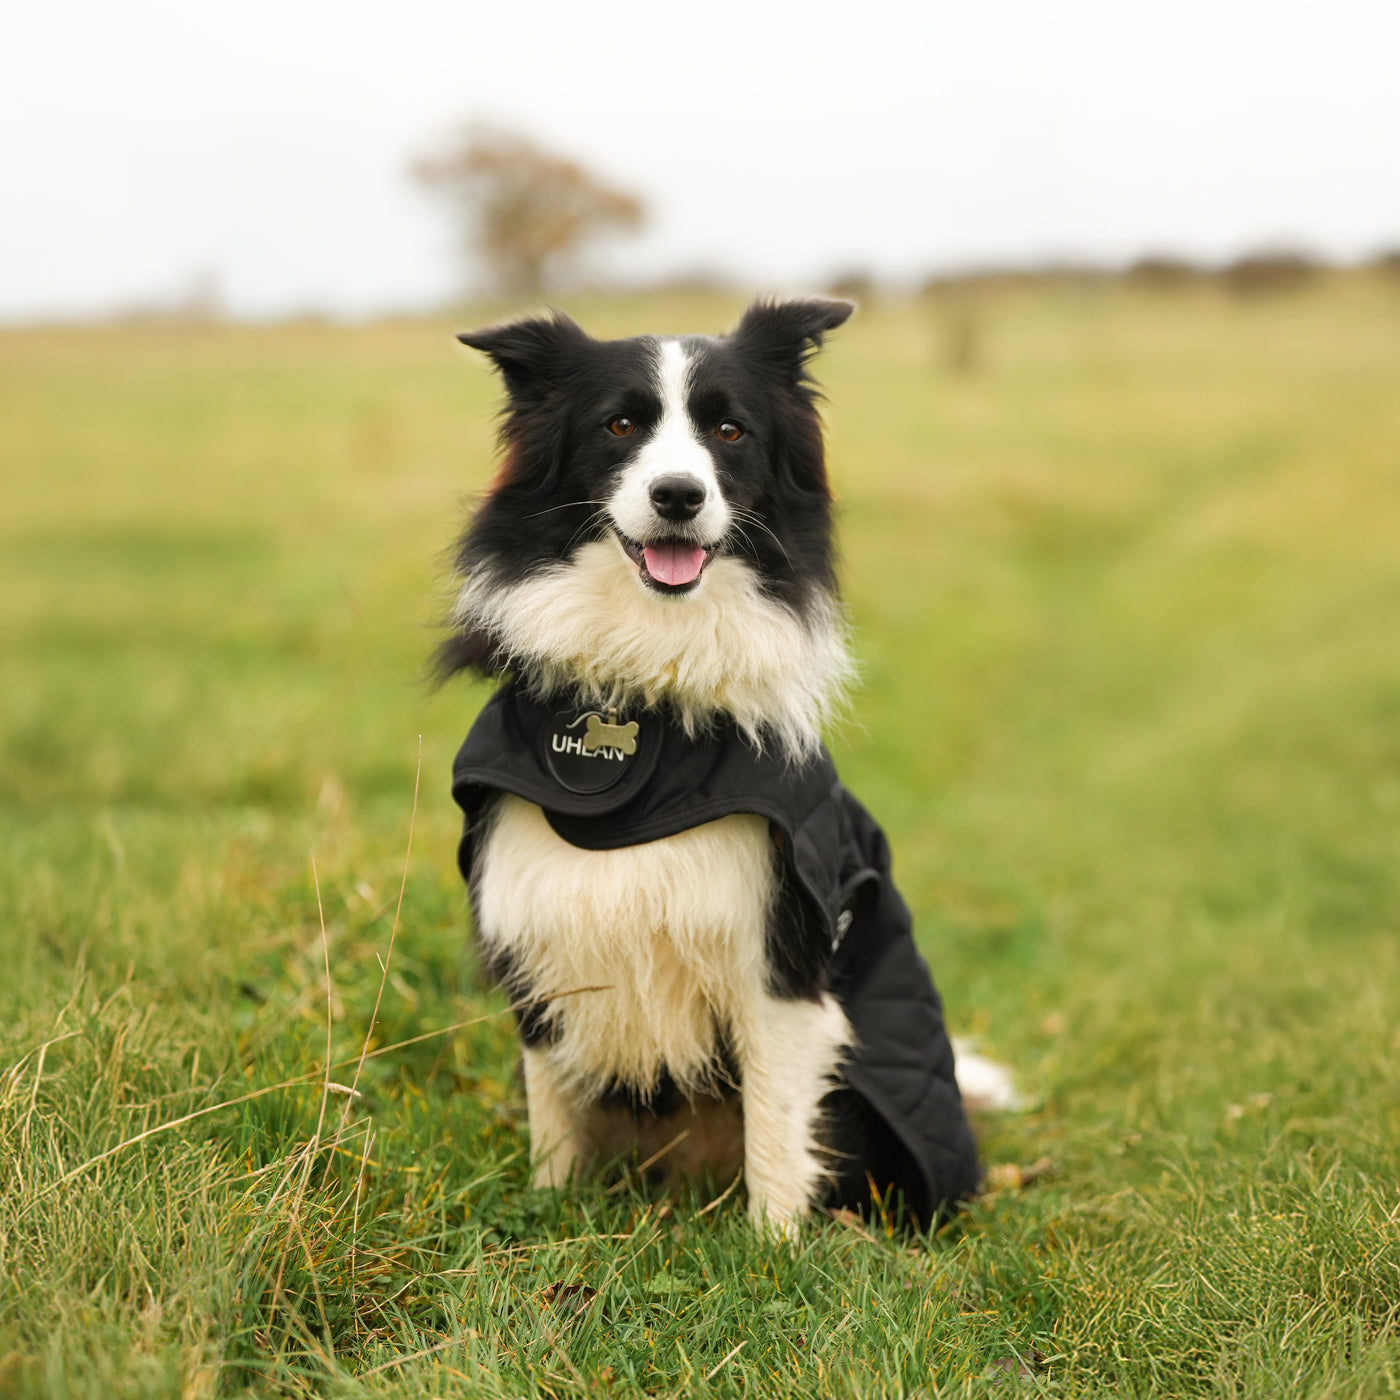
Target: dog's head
<point x="649" y="486"/>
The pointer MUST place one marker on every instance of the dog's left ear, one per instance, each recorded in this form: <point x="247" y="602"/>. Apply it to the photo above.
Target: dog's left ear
<point x="528" y="353"/>
<point x="789" y="333"/>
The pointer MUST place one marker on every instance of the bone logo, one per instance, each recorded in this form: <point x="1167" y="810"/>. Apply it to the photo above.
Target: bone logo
<point x="590" y="753"/>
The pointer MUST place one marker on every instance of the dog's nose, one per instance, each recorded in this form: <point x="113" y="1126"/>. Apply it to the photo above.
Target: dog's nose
<point x="678" y="497"/>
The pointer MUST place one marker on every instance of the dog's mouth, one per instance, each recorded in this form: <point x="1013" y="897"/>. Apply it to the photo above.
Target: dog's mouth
<point x="669" y="566"/>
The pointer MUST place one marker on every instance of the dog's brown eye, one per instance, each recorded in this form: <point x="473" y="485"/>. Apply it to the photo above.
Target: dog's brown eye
<point x="729" y="432"/>
<point x="622" y="427"/>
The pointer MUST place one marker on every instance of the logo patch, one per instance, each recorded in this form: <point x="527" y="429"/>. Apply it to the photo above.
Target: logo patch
<point x="591" y="754"/>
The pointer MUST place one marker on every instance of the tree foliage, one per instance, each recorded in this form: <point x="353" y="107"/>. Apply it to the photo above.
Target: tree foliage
<point x="524" y="212"/>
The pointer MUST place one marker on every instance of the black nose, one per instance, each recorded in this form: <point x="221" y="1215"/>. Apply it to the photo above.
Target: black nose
<point x="678" y="497"/>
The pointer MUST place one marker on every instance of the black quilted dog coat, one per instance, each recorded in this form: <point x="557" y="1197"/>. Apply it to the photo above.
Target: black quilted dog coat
<point x="845" y="927"/>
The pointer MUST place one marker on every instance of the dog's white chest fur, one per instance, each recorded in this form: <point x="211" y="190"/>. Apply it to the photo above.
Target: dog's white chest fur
<point x="673" y="929"/>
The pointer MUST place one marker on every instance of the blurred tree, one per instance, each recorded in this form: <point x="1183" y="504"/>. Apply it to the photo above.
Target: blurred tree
<point x="854" y="284"/>
<point x="1387" y="260"/>
<point x="957" y="304"/>
<point x="524" y="211"/>
<point x="1163" y="272"/>
<point x="1270" y="271"/>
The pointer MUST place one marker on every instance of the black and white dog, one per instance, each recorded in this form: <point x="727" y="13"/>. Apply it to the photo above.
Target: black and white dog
<point x="709" y="962"/>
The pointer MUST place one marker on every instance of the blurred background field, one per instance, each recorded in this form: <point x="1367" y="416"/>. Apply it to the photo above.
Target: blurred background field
<point x="1125" y="591"/>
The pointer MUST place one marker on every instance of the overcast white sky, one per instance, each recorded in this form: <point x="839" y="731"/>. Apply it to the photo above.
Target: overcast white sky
<point x="147" y="142"/>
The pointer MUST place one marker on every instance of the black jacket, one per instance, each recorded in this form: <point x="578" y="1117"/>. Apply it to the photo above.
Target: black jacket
<point x="844" y="928"/>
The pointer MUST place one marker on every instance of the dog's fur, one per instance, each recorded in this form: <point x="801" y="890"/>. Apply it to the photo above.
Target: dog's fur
<point x="625" y="465"/>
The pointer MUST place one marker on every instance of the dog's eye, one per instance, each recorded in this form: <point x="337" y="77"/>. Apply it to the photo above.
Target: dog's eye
<point x="622" y="427"/>
<point x="729" y="432"/>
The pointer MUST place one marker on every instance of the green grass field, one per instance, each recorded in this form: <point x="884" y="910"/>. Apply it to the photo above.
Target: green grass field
<point x="1127" y="604"/>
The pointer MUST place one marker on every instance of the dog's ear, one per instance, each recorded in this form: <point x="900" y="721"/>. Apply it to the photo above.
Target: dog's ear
<point x="528" y="353"/>
<point x="789" y="333"/>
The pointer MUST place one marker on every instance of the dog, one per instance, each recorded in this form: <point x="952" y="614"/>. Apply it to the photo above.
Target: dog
<point x="709" y="962"/>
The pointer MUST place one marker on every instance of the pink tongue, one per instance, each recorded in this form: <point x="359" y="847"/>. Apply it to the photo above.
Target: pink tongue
<point x="674" y="562"/>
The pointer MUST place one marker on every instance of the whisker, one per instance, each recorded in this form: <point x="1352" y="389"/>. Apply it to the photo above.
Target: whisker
<point x="752" y="519"/>
<point x="744" y="535"/>
<point x="568" y="505"/>
<point x="587" y="524"/>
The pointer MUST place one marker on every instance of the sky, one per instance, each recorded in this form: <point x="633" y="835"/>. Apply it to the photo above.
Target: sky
<point x="150" y="147"/>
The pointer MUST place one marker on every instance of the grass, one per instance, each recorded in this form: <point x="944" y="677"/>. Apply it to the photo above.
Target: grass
<point x="1127" y="602"/>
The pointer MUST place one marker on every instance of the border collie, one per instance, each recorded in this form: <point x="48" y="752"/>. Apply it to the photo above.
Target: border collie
<point x="709" y="963"/>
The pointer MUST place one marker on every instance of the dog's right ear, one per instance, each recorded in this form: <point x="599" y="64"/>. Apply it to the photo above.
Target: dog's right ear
<point x="789" y="333"/>
<point x="528" y="353"/>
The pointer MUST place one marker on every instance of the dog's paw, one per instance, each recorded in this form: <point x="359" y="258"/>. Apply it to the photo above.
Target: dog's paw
<point x="552" y="1172"/>
<point x="986" y="1086"/>
<point x="774" y="1223"/>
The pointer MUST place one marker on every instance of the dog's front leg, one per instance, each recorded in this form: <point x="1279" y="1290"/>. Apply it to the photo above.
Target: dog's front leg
<point x="554" y="1132"/>
<point x="789" y="1053"/>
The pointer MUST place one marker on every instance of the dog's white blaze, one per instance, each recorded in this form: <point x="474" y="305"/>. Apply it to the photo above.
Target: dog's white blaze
<point x="675" y="446"/>
<point x="725" y="650"/>
<point x="674" y="930"/>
